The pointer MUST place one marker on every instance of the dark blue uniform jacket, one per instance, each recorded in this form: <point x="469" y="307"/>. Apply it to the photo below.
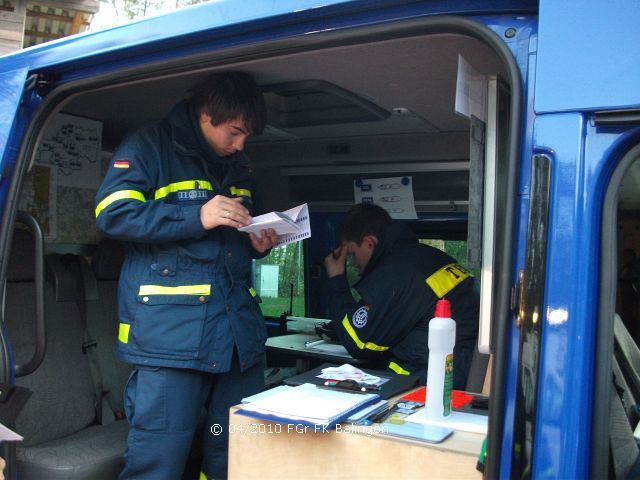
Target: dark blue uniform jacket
<point x="184" y="293"/>
<point x="399" y="288"/>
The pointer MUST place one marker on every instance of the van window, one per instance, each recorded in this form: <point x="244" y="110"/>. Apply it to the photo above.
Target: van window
<point x="279" y="280"/>
<point x="454" y="248"/>
<point x="618" y="365"/>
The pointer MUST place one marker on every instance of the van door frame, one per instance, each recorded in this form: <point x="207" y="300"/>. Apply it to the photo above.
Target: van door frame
<point x="394" y="29"/>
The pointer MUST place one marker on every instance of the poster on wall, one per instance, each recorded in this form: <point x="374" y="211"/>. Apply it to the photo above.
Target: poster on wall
<point x="471" y="91"/>
<point x="39" y="198"/>
<point x="72" y="146"/>
<point x="60" y="189"/>
<point x="394" y="194"/>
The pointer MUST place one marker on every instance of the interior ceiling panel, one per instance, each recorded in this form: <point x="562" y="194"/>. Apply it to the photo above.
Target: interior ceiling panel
<point x="417" y="74"/>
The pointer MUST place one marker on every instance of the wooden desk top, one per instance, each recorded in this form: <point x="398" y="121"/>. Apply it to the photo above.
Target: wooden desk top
<point x="263" y="450"/>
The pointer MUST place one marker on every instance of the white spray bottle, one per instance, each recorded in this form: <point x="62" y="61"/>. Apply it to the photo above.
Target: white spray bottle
<point x="442" y="338"/>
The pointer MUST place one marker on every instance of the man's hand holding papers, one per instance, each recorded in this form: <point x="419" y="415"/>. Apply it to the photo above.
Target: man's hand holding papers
<point x="291" y="225"/>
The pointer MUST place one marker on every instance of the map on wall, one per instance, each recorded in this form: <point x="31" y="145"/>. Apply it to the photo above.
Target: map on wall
<point x="72" y="146"/>
<point x="39" y="193"/>
<point x="61" y="186"/>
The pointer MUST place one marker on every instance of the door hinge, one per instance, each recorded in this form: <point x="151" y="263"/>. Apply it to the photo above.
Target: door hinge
<point x="45" y="83"/>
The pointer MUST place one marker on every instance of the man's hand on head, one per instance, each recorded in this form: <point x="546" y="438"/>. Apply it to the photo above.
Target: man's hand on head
<point x="334" y="263"/>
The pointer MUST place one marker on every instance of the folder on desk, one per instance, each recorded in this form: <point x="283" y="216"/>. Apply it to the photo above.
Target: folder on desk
<point x="319" y="409"/>
<point x="394" y="386"/>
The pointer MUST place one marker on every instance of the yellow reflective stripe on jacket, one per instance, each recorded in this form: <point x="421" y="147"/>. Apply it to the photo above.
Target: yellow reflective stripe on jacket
<point x="398" y="369"/>
<point x="123" y="332"/>
<point x="447" y="278"/>
<point x="179" y="290"/>
<point x="119" y="195"/>
<point x="253" y="292"/>
<point x="202" y="475"/>
<point x="359" y="343"/>
<point x="184" y="185"/>
<point x="240" y="192"/>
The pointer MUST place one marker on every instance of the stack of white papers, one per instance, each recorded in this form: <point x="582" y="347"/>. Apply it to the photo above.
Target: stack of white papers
<point x="349" y="372"/>
<point x="309" y="405"/>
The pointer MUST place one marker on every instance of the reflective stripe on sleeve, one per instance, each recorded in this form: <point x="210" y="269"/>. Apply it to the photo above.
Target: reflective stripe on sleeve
<point x="359" y="343"/>
<point x="398" y="369"/>
<point x="119" y="195"/>
<point x="447" y="278"/>
<point x="123" y="332"/>
<point x="179" y="290"/>
<point x="184" y="185"/>
<point x="240" y="192"/>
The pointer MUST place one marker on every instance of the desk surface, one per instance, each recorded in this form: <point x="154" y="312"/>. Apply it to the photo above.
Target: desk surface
<point x="293" y="345"/>
<point x="261" y="450"/>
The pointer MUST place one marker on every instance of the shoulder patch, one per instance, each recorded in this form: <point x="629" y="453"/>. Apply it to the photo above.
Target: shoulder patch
<point x="122" y="163"/>
<point x="361" y="316"/>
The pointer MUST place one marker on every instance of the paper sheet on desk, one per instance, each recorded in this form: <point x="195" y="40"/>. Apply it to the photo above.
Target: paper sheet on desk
<point x="466" y="422"/>
<point x="349" y="372"/>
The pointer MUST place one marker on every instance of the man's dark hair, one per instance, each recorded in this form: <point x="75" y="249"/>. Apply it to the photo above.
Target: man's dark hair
<point x="229" y="95"/>
<point x="361" y="220"/>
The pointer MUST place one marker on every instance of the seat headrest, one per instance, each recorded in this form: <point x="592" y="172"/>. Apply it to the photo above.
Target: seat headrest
<point x="22" y="263"/>
<point x="107" y="259"/>
<point x="64" y="281"/>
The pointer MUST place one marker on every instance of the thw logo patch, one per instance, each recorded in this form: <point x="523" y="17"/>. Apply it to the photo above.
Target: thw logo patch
<point x="361" y="316"/>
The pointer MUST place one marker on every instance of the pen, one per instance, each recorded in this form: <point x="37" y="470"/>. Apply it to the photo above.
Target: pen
<point x="311" y="343"/>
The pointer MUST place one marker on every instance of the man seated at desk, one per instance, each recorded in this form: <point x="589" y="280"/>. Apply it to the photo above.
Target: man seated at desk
<point x="400" y="282"/>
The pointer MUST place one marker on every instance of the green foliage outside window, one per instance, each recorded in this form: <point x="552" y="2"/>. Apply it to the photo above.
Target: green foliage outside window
<point x="289" y="260"/>
<point x="290" y="284"/>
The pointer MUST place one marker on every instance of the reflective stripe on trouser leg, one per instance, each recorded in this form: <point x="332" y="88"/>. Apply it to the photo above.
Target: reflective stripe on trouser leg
<point x="229" y="388"/>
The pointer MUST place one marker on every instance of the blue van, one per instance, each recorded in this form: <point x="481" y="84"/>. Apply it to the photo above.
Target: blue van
<point x="516" y="122"/>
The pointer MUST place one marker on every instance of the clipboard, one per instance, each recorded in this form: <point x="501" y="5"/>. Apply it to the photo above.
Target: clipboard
<point x="396" y="384"/>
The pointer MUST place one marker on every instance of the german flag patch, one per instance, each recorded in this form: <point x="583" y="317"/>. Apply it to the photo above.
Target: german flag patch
<point x="124" y="163"/>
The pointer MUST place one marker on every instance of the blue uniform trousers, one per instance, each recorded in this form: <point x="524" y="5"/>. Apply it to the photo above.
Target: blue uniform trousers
<point x="163" y="406"/>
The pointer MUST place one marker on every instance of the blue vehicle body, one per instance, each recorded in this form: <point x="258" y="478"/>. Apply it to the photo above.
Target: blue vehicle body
<point x="571" y="61"/>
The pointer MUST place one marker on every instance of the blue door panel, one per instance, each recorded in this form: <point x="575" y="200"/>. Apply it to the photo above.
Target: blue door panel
<point x="588" y="56"/>
<point x="11" y="83"/>
<point x="583" y="157"/>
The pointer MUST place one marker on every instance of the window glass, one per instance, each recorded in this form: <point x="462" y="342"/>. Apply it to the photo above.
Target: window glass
<point x="279" y="280"/>
<point x="454" y="248"/>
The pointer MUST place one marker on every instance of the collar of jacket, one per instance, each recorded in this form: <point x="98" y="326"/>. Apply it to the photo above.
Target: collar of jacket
<point x="396" y="235"/>
<point x="188" y="139"/>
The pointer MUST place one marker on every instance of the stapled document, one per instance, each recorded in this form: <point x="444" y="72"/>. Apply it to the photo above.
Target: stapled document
<point x="291" y="225"/>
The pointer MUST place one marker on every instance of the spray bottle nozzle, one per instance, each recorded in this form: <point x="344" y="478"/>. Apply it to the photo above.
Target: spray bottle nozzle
<point x="443" y="309"/>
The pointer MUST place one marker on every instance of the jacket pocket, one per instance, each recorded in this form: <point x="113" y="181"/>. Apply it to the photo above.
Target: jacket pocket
<point x="169" y="319"/>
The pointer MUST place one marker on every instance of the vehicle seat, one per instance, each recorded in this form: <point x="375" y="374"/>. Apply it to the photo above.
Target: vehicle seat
<point x="61" y="439"/>
<point x="101" y="297"/>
